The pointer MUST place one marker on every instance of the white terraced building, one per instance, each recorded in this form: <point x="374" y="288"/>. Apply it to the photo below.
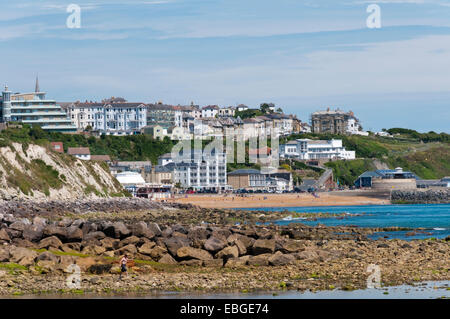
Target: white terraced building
<point x="35" y="109"/>
<point x="306" y="149"/>
<point x="110" y="118"/>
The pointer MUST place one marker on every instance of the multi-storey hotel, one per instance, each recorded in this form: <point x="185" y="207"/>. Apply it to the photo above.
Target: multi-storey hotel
<point x="201" y="171"/>
<point x="35" y="109"/>
<point x="109" y="117"/>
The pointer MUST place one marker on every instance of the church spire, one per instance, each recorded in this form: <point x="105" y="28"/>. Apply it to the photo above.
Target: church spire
<point x="37" y="90"/>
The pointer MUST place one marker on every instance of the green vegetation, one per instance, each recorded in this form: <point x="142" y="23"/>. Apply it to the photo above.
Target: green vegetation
<point x="127" y="148"/>
<point x="346" y="172"/>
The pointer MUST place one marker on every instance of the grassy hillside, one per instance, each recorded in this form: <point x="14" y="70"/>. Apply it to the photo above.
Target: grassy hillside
<point x="126" y="148"/>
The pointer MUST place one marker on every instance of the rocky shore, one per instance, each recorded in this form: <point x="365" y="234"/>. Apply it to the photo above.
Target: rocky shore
<point x="439" y="196"/>
<point x="186" y="248"/>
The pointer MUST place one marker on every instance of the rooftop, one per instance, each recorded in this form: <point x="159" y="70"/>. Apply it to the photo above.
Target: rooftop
<point x="78" y="151"/>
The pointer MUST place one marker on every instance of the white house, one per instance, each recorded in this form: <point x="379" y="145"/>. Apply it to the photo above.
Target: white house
<point x="210" y="111"/>
<point x="82" y="153"/>
<point x="307" y="149"/>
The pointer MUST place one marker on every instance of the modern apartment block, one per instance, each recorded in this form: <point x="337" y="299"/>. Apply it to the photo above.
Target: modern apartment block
<point x="201" y="171"/>
<point x="35" y="109"/>
<point x="109" y="117"/>
<point x="306" y="149"/>
<point x="335" y="122"/>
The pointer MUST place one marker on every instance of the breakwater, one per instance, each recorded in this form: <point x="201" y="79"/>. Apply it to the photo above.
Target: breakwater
<point x="437" y="196"/>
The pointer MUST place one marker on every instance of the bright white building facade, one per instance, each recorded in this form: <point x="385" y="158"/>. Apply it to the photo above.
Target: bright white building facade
<point x="306" y="149"/>
<point x="110" y="118"/>
<point x="201" y="171"/>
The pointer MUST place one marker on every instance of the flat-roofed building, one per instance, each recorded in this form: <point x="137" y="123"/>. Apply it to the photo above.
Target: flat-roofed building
<point x="35" y="109"/>
<point x="307" y="149"/>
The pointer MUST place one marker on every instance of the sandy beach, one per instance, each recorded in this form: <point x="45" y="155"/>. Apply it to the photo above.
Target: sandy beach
<point x="281" y="200"/>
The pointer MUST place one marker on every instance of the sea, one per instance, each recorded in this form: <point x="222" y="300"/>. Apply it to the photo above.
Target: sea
<point x="428" y="220"/>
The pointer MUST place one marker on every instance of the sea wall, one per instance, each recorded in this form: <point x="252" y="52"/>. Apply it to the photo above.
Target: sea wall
<point x="434" y="196"/>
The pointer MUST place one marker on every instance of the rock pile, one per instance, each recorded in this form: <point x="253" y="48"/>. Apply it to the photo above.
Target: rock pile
<point x="23" y="241"/>
<point x="417" y="196"/>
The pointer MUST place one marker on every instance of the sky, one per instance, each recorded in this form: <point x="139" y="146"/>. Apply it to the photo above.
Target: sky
<point x="302" y="55"/>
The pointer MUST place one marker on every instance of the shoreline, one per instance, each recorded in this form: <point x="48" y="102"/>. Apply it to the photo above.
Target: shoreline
<point x="185" y="248"/>
<point x="229" y="201"/>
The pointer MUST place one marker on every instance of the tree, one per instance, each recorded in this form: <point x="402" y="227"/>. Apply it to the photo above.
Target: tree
<point x="279" y="110"/>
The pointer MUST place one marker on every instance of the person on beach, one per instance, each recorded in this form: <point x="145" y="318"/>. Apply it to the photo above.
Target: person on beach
<point x="123" y="266"/>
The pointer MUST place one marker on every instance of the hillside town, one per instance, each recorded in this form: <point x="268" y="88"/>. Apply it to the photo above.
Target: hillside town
<point x="198" y="171"/>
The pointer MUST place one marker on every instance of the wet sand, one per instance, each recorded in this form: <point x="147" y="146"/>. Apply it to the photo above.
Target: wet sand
<point x="281" y="200"/>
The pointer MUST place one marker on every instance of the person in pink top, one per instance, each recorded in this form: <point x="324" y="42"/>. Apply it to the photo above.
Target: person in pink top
<point x="123" y="265"/>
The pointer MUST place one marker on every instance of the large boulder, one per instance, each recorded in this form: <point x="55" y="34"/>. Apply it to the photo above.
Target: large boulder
<point x="46" y="255"/>
<point x="85" y="263"/>
<point x="78" y="223"/>
<point x="50" y="242"/>
<point x="127" y="241"/>
<point x="22" y="256"/>
<point x="117" y="230"/>
<point x="263" y="234"/>
<point x="98" y="235"/>
<point x="175" y="243"/>
<point x="259" y="260"/>
<point x="33" y="233"/>
<point x="154" y="228"/>
<point x="146" y="249"/>
<point x="263" y="246"/>
<point x="228" y="252"/>
<point x="130" y="250"/>
<point x="237" y="262"/>
<point x="109" y="243"/>
<point x="291" y="246"/>
<point x="307" y="255"/>
<point x="52" y="230"/>
<point x="4" y="235"/>
<point x="74" y="234"/>
<point x="93" y="250"/>
<point x="193" y="253"/>
<point x="39" y="221"/>
<point x="179" y="228"/>
<point x="157" y="252"/>
<point x="235" y="239"/>
<point x="18" y="225"/>
<point x="198" y="233"/>
<point x="4" y="255"/>
<point x="215" y="244"/>
<point x="280" y="259"/>
<point x="141" y="229"/>
<point x="47" y="266"/>
<point x="167" y="259"/>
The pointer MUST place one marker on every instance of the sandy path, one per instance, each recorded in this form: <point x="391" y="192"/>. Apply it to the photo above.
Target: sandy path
<point x="278" y="200"/>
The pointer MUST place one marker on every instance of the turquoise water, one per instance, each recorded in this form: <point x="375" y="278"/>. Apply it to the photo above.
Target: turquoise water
<point x="435" y="218"/>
